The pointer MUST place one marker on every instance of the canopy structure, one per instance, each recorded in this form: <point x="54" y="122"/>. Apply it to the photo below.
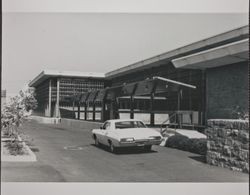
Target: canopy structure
<point x="153" y="89"/>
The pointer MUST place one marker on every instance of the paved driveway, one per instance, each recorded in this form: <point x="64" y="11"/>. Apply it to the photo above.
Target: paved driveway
<point x="68" y="154"/>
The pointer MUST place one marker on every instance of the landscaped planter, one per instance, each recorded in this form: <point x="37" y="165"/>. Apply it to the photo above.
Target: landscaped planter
<point x="22" y="155"/>
<point x="228" y="144"/>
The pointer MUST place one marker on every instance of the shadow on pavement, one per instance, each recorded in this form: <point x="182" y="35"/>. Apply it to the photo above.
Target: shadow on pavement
<point x="200" y="158"/>
<point x="122" y="151"/>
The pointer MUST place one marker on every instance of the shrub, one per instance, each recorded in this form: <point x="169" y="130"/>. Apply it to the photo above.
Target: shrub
<point x="15" y="147"/>
<point x="198" y="146"/>
<point x="16" y="111"/>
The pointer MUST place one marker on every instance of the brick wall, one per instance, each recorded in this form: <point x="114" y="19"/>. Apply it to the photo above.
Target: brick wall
<point x="228" y="144"/>
<point x="227" y="87"/>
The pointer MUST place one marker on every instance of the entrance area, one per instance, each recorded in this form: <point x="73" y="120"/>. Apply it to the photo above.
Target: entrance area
<point x="154" y="101"/>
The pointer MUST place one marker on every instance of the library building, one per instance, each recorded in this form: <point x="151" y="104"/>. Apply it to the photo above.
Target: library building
<point x="204" y="80"/>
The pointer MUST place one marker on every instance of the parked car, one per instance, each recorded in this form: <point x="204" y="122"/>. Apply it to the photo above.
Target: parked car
<point x="120" y="133"/>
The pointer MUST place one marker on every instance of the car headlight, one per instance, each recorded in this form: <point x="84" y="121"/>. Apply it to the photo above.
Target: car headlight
<point x="127" y="139"/>
<point x="155" y="137"/>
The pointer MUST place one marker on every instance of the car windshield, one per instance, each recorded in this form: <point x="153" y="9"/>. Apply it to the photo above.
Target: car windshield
<point x="129" y="124"/>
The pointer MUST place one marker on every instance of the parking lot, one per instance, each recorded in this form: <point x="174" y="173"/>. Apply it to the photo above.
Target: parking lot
<point x="68" y="155"/>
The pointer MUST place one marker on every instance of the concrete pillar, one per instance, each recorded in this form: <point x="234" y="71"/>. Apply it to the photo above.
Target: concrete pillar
<point x="93" y="111"/>
<point x="49" y="110"/>
<point x="78" y="111"/>
<point x="57" y="98"/>
<point x="85" y="111"/>
<point x="131" y="107"/>
<point x="152" y="116"/>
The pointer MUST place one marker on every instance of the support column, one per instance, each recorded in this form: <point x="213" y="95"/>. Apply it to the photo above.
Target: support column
<point x="78" y="111"/>
<point x="85" y="111"/>
<point x="131" y="107"/>
<point x="179" y="116"/>
<point x="152" y="115"/>
<point x="58" y="98"/>
<point x="49" y="110"/>
<point x="93" y="111"/>
<point x="103" y="112"/>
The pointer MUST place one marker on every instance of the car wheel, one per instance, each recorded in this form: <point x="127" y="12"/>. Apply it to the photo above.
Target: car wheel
<point x="112" y="148"/>
<point x="148" y="148"/>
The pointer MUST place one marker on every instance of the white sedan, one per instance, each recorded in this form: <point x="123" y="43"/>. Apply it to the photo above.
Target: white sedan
<point x="126" y="133"/>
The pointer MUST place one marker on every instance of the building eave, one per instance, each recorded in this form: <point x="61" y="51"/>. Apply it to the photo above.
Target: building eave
<point x="230" y="53"/>
<point x="205" y="44"/>
<point x="46" y="74"/>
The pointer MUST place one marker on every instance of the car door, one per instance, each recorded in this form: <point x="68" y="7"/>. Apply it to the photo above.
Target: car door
<point x="103" y="133"/>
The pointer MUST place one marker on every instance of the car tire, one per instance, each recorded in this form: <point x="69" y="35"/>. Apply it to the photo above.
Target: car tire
<point x="148" y="148"/>
<point x="112" y="148"/>
<point x="96" y="142"/>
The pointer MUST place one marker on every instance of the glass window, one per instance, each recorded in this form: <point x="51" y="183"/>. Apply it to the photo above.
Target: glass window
<point x="129" y="124"/>
<point x="106" y="125"/>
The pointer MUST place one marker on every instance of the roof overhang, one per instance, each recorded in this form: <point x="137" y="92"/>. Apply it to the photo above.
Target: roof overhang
<point x="205" y="44"/>
<point x="46" y="74"/>
<point x="219" y="56"/>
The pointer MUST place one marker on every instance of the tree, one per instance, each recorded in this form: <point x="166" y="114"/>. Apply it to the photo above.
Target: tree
<point x="28" y="99"/>
<point x="16" y="111"/>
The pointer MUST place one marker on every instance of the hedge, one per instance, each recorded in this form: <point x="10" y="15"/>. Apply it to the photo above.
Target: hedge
<point x="198" y="146"/>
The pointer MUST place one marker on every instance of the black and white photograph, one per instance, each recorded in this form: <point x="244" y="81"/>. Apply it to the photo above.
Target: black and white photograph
<point x="105" y="93"/>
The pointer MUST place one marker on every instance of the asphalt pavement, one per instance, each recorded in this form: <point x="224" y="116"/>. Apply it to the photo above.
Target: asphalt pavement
<point x="68" y="155"/>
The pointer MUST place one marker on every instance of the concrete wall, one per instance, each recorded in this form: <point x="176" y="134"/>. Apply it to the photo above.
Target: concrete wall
<point x="45" y="120"/>
<point x="80" y="124"/>
<point x="227" y="87"/>
<point x="228" y="144"/>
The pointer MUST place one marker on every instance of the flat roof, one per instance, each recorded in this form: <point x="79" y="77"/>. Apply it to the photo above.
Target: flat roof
<point x="178" y="55"/>
<point x="44" y="75"/>
<point x="205" y="44"/>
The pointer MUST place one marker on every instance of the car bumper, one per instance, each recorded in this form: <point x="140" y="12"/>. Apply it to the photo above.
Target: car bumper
<point x="139" y="143"/>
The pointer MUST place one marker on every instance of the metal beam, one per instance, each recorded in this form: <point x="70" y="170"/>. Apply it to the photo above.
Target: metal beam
<point x="175" y="82"/>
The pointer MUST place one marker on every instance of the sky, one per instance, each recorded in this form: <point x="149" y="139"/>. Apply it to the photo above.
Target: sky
<point x="127" y="6"/>
<point x="38" y="36"/>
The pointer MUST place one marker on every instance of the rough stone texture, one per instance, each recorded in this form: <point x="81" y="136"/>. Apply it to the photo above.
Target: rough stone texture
<point x="228" y="144"/>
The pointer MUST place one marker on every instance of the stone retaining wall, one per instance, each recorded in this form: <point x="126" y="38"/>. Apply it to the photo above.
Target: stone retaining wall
<point x="228" y="144"/>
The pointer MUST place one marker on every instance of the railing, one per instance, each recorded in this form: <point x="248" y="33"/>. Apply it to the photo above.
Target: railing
<point x="178" y="121"/>
<point x="173" y="115"/>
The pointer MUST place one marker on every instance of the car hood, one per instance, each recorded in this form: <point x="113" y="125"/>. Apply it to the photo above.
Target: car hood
<point x="137" y="133"/>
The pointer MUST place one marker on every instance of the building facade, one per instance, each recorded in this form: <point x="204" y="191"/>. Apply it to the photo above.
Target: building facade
<point x="204" y="80"/>
<point x="56" y="90"/>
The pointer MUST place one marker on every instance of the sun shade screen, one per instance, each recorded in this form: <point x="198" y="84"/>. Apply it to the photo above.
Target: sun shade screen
<point x="145" y="87"/>
<point x="78" y="97"/>
<point x="101" y="95"/>
<point x="163" y="86"/>
<point x="128" y="89"/>
<point x="92" y="96"/>
<point x="67" y="99"/>
<point x="112" y="93"/>
<point x="84" y="97"/>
